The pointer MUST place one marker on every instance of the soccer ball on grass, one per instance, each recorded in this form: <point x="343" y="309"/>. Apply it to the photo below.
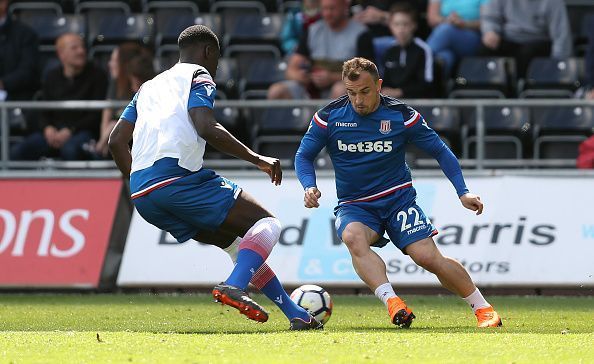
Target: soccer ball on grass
<point x="315" y="299"/>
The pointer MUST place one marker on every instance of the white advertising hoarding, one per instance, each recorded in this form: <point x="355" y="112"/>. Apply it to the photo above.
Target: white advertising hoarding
<point x="534" y="230"/>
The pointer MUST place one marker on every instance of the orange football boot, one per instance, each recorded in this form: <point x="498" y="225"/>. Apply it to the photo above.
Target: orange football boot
<point x="401" y="315"/>
<point x="487" y="317"/>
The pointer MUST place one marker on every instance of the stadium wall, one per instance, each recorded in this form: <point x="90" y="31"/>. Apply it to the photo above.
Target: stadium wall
<point x="70" y="232"/>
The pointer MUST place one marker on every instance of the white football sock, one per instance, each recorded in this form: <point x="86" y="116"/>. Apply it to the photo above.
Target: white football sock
<point x="233" y="249"/>
<point x="476" y="300"/>
<point x="384" y="292"/>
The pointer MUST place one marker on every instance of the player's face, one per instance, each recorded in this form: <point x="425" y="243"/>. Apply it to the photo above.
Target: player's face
<point x="364" y="93"/>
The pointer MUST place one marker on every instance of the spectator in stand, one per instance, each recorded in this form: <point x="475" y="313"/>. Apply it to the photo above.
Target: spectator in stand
<point x="408" y="66"/>
<point x="19" y="78"/>
<point x="296" y="22"/>
<point x="375" y="14"/>
<point x="67" y="133"/>
<point x="525" y="29"/>
<point x="314" y="70"/>
<point x="456" y="30"/>
<point x="120" y="88"/>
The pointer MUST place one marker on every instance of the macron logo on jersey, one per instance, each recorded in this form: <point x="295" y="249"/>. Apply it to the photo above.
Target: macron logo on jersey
<point x="346" y="125"/>
<point x="380" y="146"/>
<point x="209" y="89"/>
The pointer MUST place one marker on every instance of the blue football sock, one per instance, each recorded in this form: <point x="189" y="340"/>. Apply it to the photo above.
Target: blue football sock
<point x="277" y="294"/>
<point x="248" y="262"/>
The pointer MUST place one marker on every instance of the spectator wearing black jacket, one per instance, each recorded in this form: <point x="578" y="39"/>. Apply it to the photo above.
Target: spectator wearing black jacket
<point x="18" y="58"/>
<point x="64" y="133"/>
<point x="408" y="66"/>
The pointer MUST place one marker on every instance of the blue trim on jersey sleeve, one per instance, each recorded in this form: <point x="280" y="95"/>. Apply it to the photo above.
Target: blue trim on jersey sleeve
<point x="130" y="114"/>
<point x="202" y="94"/>
<point x="312" y="143"/>
<point x="428" y="140"/>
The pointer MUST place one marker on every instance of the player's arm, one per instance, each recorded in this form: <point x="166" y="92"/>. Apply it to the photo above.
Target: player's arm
<point x="200" y="109"/>
<point x="312" y="143"/>
<point x="427" y="139"/>
<point x="120" y="137"/>
<point x="216" y="135"/>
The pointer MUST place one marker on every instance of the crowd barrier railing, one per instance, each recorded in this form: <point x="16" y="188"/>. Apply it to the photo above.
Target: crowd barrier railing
<point x="479" y="163"/>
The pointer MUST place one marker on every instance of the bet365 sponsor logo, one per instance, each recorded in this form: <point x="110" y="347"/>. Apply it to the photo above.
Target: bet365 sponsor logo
<point x="380" y="146"/>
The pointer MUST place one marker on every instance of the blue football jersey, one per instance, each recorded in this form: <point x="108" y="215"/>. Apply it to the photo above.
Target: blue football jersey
<point x="368" y="152"/>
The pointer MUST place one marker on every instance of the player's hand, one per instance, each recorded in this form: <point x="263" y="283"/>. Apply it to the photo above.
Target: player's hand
<point x="472" y="202"/>
<point x="272" y="167"/>
<point x="311" y="197"/>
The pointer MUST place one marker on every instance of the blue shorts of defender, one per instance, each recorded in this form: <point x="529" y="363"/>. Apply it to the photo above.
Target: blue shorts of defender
<point x="198" y="202"/>
<point x="397" y="214"/>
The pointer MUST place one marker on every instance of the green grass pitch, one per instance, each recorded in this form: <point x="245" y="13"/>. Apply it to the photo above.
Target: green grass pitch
<point x="170" y="328"/>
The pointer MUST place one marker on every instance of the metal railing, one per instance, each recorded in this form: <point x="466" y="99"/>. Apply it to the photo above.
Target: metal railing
<point x="480" y="162"/>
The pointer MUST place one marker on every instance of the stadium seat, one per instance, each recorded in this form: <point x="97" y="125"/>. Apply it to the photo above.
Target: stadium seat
<point x="29" y="9"/>
<point x="133" y="5"/>
<point x="93" y="9"/>
<point x="248" y="54"/>
<point x="50" y="27"/>
<point x="484" y="77"/>
<point x="254" y="28"/>
<point x="167" y="55"/>
<point x="48" y="59"/>
<point x="119" y="27"/>
<point x="203" y="6"/>
<point x="446" y="122"/>
<point x="171" y="18"/>
<point x="261" y="74"/>
<point x="380" y="46"/>
<point x="560" y="130"/>
<point x="232" y="11"/>
<point x="551" y="78"/>
<point x="227" y="78"/>
<point x="212" y="21"/>
<point x="231" y="119"/>
<point x="507" y="132"/>
<point x="100" y="55"/>
<point x="278" y="131"/>
<point x="270" y="6"/>
<point x="282" y="147"/>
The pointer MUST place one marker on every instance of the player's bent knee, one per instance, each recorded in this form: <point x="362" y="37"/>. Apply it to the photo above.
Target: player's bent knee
<point x="262" y="236"/>
<point x="427" y="261"/>
<point x="355" y="241"/>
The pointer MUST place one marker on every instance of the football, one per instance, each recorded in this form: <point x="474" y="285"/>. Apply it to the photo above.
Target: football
<point x="315" y="299"/>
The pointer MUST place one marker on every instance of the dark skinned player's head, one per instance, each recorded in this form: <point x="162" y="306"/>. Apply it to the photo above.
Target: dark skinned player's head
<point x="199" y="45"/>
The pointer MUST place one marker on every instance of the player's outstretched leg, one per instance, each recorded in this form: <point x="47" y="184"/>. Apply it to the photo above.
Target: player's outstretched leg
<point x="254" y="248"/>
<point x="267" y="282"/>
<point x="455" y="278"/>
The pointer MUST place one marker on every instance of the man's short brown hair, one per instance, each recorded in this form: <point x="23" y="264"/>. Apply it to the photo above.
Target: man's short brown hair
<point x="352" y="69"/>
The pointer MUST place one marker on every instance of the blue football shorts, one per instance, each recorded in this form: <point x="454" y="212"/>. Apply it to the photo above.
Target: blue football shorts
<point x="198" y="202"/>
<point x="397" y="214"/>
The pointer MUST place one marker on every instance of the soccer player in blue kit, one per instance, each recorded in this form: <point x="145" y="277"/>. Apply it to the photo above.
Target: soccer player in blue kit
<point x="365" y="134"/>
<point x="170" y="119"/>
